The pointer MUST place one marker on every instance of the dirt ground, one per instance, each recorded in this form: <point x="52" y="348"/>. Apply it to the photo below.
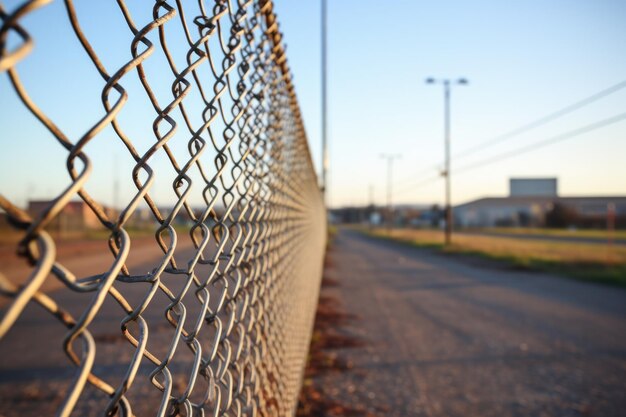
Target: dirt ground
<point x="404" y="331"/>
<point x="329" y="359"/>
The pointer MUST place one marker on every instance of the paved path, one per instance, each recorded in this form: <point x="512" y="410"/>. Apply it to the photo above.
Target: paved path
<point x="446" y="338"/>
<point x="35" y="372"/>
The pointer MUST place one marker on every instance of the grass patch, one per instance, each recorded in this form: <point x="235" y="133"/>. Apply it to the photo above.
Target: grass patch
<point x="331" y="233"/>
<point x="577" y="233"/>
<point x="583" y="261"/>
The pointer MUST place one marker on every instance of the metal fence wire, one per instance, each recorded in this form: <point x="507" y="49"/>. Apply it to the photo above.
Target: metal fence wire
<point x="219" y="322"/>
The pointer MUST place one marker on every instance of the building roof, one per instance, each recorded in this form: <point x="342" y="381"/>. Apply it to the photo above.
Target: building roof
<point x="515" y="200"/>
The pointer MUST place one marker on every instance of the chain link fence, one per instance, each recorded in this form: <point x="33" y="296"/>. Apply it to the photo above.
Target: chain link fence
<point x="212" y="315"/>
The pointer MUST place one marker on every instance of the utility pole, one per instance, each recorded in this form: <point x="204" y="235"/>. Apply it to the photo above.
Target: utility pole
<point x="116" y="185"/>
<point x="447" y="83"/>
<point x="371" y="208"/>
<point x="390" y="158"/>
<point x="325" y="161"/>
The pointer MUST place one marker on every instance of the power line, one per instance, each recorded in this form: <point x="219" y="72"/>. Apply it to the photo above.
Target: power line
<point x="420" y="173"/>
<point x="554" y="139"/>
<point x="525" y="149"/>
<point x="529" y="126"/>
<point x="543" y="120"/>
<point x="420" y="184"/>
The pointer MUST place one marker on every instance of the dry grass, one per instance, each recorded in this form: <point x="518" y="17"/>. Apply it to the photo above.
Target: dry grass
<point x="518" y="248"/>
<point x="576" y="233"/>
<point x="589" y="261"/>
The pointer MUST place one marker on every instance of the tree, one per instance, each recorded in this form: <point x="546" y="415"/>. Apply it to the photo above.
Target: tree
<point x="561" y="216"/>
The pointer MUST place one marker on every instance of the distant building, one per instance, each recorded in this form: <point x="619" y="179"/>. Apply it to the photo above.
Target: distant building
<point x="532" y="202"/>
<point x="503" y="211"/>
<point x="524" y="187"/>
<point x="353" y="215"/>
<point x="403" y="215"/>
<point x="75" y="215"/>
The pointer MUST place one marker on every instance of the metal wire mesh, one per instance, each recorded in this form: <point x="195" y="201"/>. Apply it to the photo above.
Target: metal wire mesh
<point x="220" y="326"/>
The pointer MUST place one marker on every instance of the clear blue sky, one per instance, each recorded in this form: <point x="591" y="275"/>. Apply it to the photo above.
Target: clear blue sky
<point x="523" y="60"/>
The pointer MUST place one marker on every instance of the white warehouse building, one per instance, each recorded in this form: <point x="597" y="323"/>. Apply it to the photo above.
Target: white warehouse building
<point x="529" y="202"/>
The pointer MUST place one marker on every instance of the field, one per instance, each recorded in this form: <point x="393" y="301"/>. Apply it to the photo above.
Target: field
<point x="574" y="233"/>
<point x="587" y="261"/>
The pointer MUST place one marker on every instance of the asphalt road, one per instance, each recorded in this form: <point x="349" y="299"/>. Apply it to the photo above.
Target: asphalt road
<point x="35" y="373"/>
<point x="443" y="338"/>
<point x="448" y="338"/>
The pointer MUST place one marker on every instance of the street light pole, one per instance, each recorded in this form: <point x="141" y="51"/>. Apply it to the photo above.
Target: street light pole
<point x="325" y="161"/>
<point x="446" y="173"/>
<point x="390" y="158"/>
<point x="446" y="86"/>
